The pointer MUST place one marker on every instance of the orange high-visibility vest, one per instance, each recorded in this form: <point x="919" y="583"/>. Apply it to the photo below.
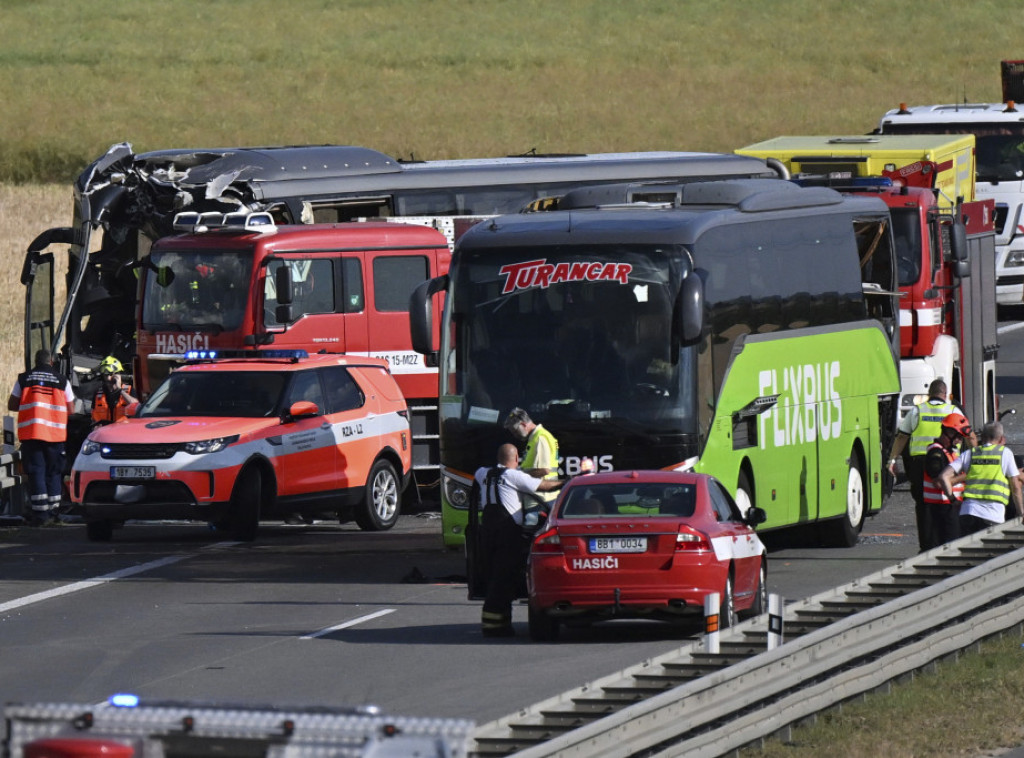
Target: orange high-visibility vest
<point x="101" y="411"/>
<point x="43" y="409"/>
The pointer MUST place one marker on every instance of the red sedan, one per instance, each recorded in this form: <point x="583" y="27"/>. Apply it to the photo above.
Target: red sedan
<point x="644" y="544"/>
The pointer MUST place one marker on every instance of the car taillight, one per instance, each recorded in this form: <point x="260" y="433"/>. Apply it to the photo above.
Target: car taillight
<point x="691" y="539"/>
<point x="548" y="542"/>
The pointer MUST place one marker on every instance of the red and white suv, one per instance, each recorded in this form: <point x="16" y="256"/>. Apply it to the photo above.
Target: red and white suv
<point x="268" y="435"/>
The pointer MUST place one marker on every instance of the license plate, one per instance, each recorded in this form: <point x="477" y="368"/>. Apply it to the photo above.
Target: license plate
<point x="132" y="472"/>
<point x="618" y="544"/>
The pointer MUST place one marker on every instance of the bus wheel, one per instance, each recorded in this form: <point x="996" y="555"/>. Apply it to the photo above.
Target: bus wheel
<point x="845" y="530"/>
<point x="543" y="628"/>
<point x="379" y="509"/>
<point x="244" y="517"/>
<point x="744" y="492"/>
<point x="99" y="531"/>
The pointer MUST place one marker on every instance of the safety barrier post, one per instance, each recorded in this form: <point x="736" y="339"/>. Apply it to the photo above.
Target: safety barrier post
<point x="774" y="621"/>
<point x="711" y="622"/>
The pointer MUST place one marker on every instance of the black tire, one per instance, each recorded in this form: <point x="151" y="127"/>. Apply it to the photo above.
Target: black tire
<point x="744" y="493"/>
<point x="845" y="530"/>
<point x="760" y="604"/>
<point x="727" y="608"/>
<point x="99" y="531"/>
<point x="244" y="515"/>
<point x="382" y="502"/>
<point x="543" y="628"/>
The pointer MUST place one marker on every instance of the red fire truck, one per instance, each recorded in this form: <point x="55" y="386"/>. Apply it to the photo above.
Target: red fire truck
<point x="945" y="248"/>
<point x="239" y="280"/>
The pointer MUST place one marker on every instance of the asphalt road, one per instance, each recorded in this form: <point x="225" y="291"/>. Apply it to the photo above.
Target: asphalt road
<point x="328" y="615"/>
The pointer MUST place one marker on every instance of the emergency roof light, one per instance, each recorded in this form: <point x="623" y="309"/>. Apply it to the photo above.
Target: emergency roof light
<point x="253" y="355"/>
<point x="197" y="223"/>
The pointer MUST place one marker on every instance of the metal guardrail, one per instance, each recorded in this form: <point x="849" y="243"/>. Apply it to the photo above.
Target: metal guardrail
<point x="11" y="495"/>
<point x="844" y="643"/>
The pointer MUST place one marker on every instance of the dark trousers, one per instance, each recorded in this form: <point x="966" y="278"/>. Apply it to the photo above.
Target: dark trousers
<point x="972" y="524"/>
<point x="922" y="510"/>
<point x="44" y="468"/>
<point x="945" y="520"/>
<point x="503" y="555"/>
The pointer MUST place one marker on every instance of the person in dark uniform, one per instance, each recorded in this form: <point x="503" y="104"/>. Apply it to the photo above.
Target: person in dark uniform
<point x="502" y="539"/>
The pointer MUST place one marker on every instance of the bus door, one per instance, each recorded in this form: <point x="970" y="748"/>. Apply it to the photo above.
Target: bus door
<point x="37" y="277"/>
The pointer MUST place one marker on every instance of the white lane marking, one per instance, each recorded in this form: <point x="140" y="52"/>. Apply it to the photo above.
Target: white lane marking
<point x="1010" y="327"/>
<point x="88" y="583"/>
<point x="347" y="624"/>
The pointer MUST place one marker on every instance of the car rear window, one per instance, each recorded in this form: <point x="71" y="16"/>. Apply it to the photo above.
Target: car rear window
<point x="610" y="500"/>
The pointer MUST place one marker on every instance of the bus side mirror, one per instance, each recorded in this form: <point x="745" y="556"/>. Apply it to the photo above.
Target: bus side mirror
<point x="691" y="310"/>
<point x="421" y="314"/>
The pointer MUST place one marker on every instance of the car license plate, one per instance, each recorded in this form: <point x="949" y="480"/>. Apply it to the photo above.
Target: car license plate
<point x="132" y="472"/>
<point x="618" y="544"/>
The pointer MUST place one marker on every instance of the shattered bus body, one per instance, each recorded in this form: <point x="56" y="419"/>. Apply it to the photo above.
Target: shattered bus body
<point x="124" y="202"/>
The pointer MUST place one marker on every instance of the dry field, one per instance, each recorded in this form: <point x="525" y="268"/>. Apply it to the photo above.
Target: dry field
<point x="25" y="211"/>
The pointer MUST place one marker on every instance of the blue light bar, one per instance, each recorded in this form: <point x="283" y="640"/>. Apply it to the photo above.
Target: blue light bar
<point x="123" y="700"/>
<point x="253" y="355"/>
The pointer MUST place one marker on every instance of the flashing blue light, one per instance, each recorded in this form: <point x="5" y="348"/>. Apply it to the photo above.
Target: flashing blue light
<point x="123" y="700"/>
<point x="255" y="355"/>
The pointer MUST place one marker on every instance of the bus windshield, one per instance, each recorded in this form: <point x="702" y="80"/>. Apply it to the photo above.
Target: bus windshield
<point x="578" y="335"/>
<point x="196" y="290"/>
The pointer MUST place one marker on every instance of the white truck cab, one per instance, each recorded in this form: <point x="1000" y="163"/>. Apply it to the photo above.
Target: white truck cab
<point x="999" y="160"/>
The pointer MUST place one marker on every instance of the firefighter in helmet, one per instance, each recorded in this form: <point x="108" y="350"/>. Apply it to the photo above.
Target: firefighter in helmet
<point x="945" y="512"/>
<point x="113" y="397"/>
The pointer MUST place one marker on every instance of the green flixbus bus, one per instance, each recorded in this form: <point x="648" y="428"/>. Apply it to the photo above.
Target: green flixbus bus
<point x="747" y="329"/>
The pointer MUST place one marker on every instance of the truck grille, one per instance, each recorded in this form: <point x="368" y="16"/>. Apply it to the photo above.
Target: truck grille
<point x="139" y="452"/>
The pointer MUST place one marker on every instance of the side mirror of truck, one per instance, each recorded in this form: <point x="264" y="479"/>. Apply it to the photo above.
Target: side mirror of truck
<point x="959" y="250"/>
<point x="284" y="284"/>
<point x="691" y="310"/>
<point x="421" y="314"/>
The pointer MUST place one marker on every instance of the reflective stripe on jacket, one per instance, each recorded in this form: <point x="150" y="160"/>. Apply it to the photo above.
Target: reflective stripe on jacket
<point x="932" y="492"/>
<point x="929" y="425"/>
<point x="43" y="407"/>
<point x="985" y="479"/>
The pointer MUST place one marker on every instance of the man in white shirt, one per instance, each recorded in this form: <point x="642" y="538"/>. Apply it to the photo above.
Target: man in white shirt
<point x="504" y="547"/>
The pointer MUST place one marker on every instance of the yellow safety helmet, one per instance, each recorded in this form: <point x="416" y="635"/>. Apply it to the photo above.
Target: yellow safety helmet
<point x="111" y="365"/>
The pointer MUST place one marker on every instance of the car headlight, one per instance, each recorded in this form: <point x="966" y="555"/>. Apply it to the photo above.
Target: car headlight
<point x="89" y="447"/>
<point x="210" y="446"/>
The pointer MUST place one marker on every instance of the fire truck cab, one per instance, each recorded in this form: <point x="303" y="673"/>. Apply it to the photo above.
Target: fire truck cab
<point x="239" y="281"/>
